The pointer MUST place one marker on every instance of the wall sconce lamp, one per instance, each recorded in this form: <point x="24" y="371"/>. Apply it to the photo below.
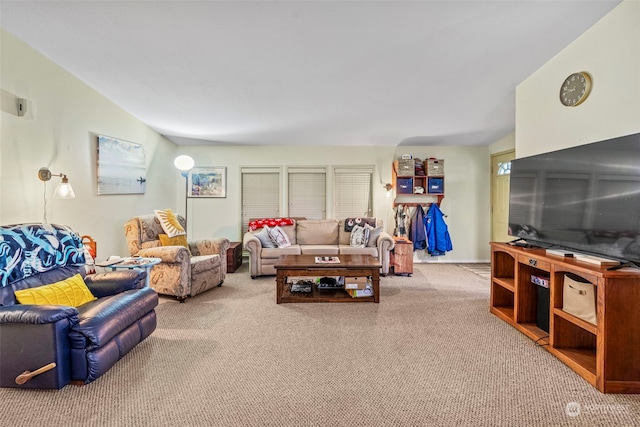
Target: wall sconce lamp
<point x="63" y="190"/>
<point x="388" y="187"/>
<point x="184" y="164"/>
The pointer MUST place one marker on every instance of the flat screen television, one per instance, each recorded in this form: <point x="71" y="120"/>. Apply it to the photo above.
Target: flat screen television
<point x="584" y="199"/>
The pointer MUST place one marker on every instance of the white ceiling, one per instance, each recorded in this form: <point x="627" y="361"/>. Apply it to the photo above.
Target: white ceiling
<point x="377" y="73"/>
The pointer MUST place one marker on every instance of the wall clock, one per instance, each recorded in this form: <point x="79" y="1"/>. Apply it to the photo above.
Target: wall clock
<point x="575" y="89"/>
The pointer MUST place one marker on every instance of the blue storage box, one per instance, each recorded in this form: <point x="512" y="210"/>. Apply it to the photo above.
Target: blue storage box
<point x="405" y="185"/>
<point x="435" y="186"/>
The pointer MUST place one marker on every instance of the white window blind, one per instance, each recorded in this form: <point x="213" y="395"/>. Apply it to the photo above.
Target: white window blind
<point x="307" y="192"/>
<point x="352" y="192"/>
<point x="260" y="194"/>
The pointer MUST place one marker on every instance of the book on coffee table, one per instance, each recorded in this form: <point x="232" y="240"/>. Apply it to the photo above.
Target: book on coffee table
<point x="327" y="260"/>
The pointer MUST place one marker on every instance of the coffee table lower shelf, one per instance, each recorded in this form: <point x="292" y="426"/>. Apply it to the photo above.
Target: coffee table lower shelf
<point x="337" y="295"/>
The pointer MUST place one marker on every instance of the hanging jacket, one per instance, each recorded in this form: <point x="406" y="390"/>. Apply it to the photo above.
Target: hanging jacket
<point x="438" y="239"/>
<point x="401" y="221"/>
<point x="418" y="230"/>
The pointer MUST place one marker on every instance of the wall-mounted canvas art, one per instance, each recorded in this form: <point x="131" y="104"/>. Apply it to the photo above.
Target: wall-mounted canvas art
<point x="122" y="167"/>
<point x="208" y="182"/>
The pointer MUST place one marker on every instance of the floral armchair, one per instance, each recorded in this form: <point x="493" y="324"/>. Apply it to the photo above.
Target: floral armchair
<point x="182" y="272"/>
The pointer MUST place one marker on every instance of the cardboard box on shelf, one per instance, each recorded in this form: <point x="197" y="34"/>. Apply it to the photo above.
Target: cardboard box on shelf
<point x="355" y="282"/>
<point x="366" y="292"/>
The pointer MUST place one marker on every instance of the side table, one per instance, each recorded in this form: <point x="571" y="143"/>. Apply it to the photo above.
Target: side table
<point x="234" y="256"/>
<point x="402" y="256"/>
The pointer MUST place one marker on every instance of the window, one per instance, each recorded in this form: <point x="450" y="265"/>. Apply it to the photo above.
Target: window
<point x="352" y="191"/>
<point x="260" y="194"/>
<point x="504" y="168"/>
<point x="307" y="192"/>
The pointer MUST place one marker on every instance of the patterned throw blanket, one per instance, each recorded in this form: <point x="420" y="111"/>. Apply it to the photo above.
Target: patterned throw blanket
<point x="29" y="249"/>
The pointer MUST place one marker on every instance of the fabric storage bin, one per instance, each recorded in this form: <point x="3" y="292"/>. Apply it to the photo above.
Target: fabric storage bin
<point x="435" y="185"/>
<point x="579" y="298"/>
<point x="405" y="185"/>
<point x="406" y="167"/>
<point x="434" y="167"/>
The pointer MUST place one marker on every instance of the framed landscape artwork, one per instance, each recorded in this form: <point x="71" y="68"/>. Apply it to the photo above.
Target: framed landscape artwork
<point x="208" y="181"/>
<point x="122" y="167"/>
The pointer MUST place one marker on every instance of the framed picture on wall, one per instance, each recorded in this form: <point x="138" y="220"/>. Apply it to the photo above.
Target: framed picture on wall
<point x="209" y="181"/>
<point x="122" y="166"/>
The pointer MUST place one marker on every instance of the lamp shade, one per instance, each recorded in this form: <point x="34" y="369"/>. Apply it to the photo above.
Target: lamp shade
<point x="64" y="190"/>
<point x="184" y="163"/>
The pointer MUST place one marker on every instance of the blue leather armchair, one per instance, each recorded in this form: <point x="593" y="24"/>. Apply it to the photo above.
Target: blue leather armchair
<point x="67" y="344"/>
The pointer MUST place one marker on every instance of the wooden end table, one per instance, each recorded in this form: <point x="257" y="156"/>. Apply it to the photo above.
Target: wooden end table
<point x="305" y="265"/>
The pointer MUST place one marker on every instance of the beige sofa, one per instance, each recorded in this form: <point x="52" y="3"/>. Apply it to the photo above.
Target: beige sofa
<point x="313" y="237"/>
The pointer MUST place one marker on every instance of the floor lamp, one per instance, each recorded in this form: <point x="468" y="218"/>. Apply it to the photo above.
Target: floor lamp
<point x="184" y="164"/>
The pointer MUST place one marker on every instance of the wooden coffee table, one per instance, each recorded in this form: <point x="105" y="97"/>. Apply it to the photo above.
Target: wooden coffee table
<point x="305" y="265"/>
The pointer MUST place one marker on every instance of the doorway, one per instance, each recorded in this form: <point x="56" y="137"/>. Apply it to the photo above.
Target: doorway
<point x="500" y="178"/>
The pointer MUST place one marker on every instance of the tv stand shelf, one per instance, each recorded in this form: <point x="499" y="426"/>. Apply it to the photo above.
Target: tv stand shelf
<point x="607" y="355"/>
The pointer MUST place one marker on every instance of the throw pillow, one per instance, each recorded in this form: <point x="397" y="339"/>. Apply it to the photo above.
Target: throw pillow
<point x="359" y="236"/>
<point x="71" y="292"/>
<point x="374" y="233"/>
<point x="174" y="241"/>
<point x="349" y="223"/>
<point x="279" y="237"/>
<point x="169" y="222"/>
<point x="265" y="238"/>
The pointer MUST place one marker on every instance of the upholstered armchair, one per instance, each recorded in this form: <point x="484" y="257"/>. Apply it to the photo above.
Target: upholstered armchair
<point x="182" y="272"/>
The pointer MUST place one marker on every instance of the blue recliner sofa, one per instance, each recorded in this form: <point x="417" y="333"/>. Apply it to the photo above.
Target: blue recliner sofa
<point x="67" y="344"/>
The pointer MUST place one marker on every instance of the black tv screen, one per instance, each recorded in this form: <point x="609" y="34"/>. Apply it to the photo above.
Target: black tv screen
<point x="584" y="199"/>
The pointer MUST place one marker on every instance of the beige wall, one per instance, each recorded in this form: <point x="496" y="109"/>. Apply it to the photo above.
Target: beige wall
<point x="505" y="143"/>
<point x="610" y="51"/>
<point x="59" y="131"/>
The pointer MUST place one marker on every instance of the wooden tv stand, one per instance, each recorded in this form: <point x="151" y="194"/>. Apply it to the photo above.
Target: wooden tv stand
<point x="607" y="355"/>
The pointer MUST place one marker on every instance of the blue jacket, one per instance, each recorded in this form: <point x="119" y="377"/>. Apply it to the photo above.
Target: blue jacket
<point x="418" y="231"/>
<point x="438" y="239"/>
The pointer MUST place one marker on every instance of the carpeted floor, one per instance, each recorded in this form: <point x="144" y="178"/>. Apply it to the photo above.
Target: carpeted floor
<point x="430" y="354"/>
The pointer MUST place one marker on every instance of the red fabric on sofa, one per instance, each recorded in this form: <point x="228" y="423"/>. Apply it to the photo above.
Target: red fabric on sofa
<point x="269" y="222"/>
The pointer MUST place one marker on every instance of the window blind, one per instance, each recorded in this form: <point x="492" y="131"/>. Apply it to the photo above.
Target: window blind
<point x="307" y="192"/>
<point x="352" y="192"/>
<point x="260" y="194"/>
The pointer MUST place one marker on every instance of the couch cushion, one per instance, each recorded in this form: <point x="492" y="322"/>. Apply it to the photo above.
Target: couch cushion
<point x="291" y="232"/>
<point x="350" y="250"/>
<point x="317" y="232"/>
<point x="319" y="249"/>
<point x="276" y="252"/>
<point x="204" y="263"/>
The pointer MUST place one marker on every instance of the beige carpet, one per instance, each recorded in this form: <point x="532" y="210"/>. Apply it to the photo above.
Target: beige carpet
<point x="430" y="354"/>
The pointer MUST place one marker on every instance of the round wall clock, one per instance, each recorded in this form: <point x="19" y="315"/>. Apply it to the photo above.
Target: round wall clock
<point x="575" y="89"/>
